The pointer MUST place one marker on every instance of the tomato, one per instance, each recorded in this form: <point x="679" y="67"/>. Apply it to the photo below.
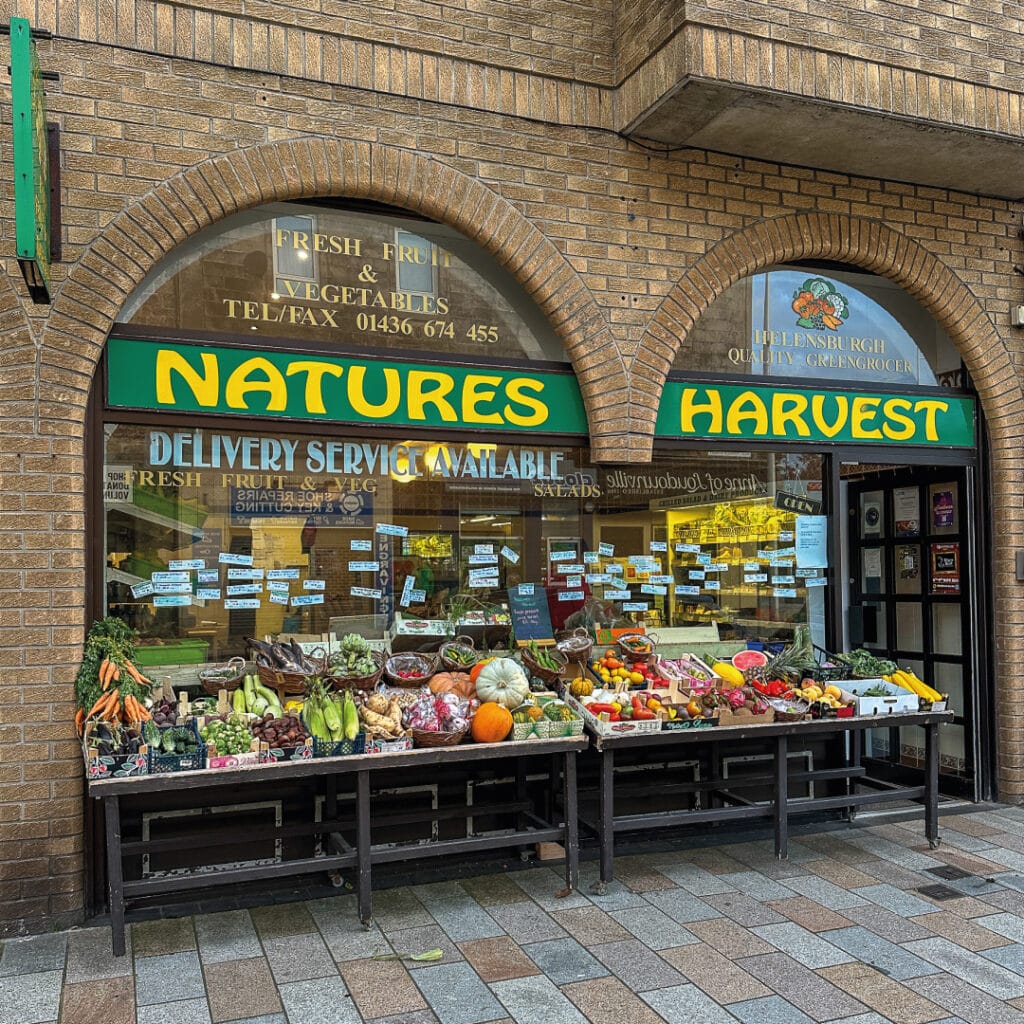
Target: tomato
<point x="694" y="710"/>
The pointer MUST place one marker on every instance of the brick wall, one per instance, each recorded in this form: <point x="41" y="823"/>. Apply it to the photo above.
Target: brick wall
<point x="621" y="248"/>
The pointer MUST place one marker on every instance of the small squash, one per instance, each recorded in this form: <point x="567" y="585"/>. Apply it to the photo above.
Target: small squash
<point x="453" y="682"/>
<point x="475" y="670"/>
<point x="502" y="681"/>
<point x="581" y="687"/>
<point x="492" y="723"/>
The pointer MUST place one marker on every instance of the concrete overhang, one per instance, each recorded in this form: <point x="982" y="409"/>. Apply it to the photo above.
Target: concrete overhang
<point x="787" y="129"/>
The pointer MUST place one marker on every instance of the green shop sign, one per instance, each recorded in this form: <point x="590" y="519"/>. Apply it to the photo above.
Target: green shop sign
<point x="238" y="381"/>
<point x="732" y="411"/>
<point x="242" y="382"/>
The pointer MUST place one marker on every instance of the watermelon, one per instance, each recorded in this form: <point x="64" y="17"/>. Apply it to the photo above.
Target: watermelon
<point x="745" y="660"/>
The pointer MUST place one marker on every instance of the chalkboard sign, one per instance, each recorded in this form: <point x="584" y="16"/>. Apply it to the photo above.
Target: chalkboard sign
<point x="531" y="619"/>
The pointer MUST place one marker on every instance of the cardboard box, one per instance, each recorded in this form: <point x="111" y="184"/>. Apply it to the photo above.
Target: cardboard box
<point x="897" y="700"/>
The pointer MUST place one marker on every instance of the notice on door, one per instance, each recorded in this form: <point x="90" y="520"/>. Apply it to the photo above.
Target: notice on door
<point x="945" y="568"/>
<point x="812" y="542"/>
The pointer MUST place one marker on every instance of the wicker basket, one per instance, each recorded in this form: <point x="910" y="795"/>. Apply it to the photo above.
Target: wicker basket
<point x="425" y="738"/>
<point x="461" y="643"/>
<point x="790" y="711"/>
<point x="576" y="644"/>
<point x="650" y="657"/>
<point x="215" y="678"/>
<point x="838" y="671"/>
<point x="367" y="682"/>
<point x="410" y="661"/>
<point x="290" y="682"/>
<point x="548" y="675"/>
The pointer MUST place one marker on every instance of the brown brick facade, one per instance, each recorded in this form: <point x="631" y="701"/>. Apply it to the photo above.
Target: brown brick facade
<point x="620" y="247"/>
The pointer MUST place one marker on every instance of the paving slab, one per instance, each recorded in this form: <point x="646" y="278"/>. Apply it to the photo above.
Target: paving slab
<point x="686" y="1004"/>
<point x="299" y="958"/>
<point x="162" y="936"/>
<point x="636" y="965"/>
<point x="110" y="1001"/>
<point x="900" y="1004"/>
<point x="381" y="988"/>
<point x="890" y="959"/>
<point x="91" y="957"/>
<point x="321" y="1001"/>
<point x="35" y="954"/>
<point x="564" y="960"/>
<point x="536" y="1001"/>
<point x="719" y="977"/>
<point x="965" y="1001"/>
<point x="609" y="1001"/>
<point x="806" y="990"/>
<point x="653" y="928"/>
<point x="983" y="974"/>
<point x="30" y="998"/>
<point x="457" y="995"/>
<point x="169" y="978"/>
<point x="498" y="959"/>
<point x="241" y="988"/>
<point x="226" y="936"/>
<point x="183" y="1011"/>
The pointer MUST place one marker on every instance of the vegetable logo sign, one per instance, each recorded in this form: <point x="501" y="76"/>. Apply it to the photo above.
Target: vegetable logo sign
<point x="818" y="304"/>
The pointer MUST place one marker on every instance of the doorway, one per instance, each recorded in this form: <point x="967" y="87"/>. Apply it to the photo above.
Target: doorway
<point x="913" y="597"/>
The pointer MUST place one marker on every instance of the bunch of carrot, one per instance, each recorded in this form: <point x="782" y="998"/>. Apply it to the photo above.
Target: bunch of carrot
<point x="111" y="706"/>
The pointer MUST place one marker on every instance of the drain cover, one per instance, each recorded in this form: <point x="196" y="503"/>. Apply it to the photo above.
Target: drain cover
<point x="939" y="892"/>
<point x="948" y="872"/>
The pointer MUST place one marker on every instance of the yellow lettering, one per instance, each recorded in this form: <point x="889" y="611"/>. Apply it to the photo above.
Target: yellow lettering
<point x="239" y="385"/>
<point x="357" y="393"/>
<point x="689" y="409"/>
<point x="931" y="408"/>
<point x="514" y="389"/>
<point x="421" y="395"/>
<point x="204" y="386"/>
<point x="842" y="411"/>
<point x="864" y="409"/>
<point x="747" y="406"/>
<point x="892" y="412"/>
<point x="314" y="381"/>
<point x="788" y="409"/>
<point x="475" y="391"/>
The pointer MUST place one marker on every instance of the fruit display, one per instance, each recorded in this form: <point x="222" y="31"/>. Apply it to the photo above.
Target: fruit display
<point x="910" y="682"/>
<point x="492" y="723"/>
<point x="453" y="682"/>
<point x="502" y="680"/>
<point x="610" y="668"/>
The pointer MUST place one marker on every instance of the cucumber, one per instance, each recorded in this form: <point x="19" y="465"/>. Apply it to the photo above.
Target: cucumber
<point x="238" y="701"/>
<point x="266" y="693"/>
<point x="259" y="706"/>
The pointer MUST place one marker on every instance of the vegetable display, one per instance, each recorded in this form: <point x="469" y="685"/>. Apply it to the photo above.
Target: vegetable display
<point x="866" y="664"/>
<point x="108" y="686"/>
<point x="352" y="658"/>
<point x="228" y="734"/>
<point x="255" y="699"/>
<point x="504" y="682"/>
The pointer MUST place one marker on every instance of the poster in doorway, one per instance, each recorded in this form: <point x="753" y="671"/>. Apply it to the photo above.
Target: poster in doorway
<point x="943" y="509"/>
<point x="906" y="508"/>
<point x="945" y="568"/>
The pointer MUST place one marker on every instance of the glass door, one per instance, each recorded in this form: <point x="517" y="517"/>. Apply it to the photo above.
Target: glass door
<point x="911" y="589"/>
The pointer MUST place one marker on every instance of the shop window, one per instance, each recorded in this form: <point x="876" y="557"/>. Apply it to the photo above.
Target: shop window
<point x="825" y="324"/>
<point x="348" y="280"/>
<point x="213" y="536"/>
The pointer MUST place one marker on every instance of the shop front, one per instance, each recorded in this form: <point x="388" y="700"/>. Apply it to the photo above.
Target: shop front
<point x="317" y="421"/>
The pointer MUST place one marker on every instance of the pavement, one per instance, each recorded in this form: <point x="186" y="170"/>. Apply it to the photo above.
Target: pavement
<point x="863" y="924"/>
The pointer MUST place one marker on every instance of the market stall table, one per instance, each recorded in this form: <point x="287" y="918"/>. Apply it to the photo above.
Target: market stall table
<point x="779" y="734"/>
<point x="530" y="828"/>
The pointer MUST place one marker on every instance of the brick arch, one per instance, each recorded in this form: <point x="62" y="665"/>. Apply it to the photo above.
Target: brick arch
<point x="876" y="247"/>
<point x="96" y="290"/>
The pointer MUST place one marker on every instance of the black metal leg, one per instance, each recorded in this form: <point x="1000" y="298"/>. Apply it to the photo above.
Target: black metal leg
<point x="331" y="797"/>
<point x="572" y="826"/>
<point x="781" y="797"/>
<point x="714" y="775"/>
<point x="363" y="842"/>
<point x="931" y="784"/>
<point x="115" y="876"/>
<point x="606" y="818"/>
<point x="853" y="755"/>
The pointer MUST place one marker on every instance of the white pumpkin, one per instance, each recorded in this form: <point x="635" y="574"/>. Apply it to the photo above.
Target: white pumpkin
<point x="504" y="682"/>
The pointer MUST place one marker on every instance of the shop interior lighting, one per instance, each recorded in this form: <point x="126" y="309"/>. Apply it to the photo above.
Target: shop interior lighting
<point x="481" y="519"/>
<point x="275" y="296"/>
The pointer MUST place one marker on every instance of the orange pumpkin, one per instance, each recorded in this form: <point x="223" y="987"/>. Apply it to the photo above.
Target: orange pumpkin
<point x="475" y="670"/>
<point x="491" y="723"/>
<point x="453" y="682"/>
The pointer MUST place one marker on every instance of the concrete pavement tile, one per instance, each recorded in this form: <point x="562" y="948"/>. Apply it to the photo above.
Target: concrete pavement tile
<point x="811" y="950"/>
<point x="757" y="886"/>
<point x="965" y="1001"/>
<point x="227" y="936"/>
<point x="844" y="875"/>
<point x="744" y="910"/>
<point x="975" y="864"/>
<point x="182" y="1011"/>
<point x="299" y="958"/>
<point x="493" y="890"/>
<point x="266" y="1018"/>
<point x="163" y="979"/>
<point x="896" y="875"/>
<point x="498" y="959"/>
<point x="381" y="988"/>
<point x="343" y="933"/>
<point x="696" y="880"/>
<point x="808" y="914"/>
<point x="638" y="967"/>
<point x="241" y="988"/>
<point x="282" y="919"/>
<point x="837" y="851"/>
<point x="640" y="877"/>
<point x="768" y="1010"/>
<point x="534" y="1001"/>
<point x="900" y="1004"/>
<point x="879" y="953"/>
<point x="30" y="998"/>
<point x="419" y="940"/>
<point x="543" y="884"/>
<point x="395" y="909"/>
<point x="616" y="895"/>
<point x="729" y="938"/>
<point x="989" y="977"/>
<point x="564" y="960"/>
<point x="894" y="853"/>
<point x="899" y="902"/>
<point x="1004" y="899"/>
<point x="1010" y="957"/>
<point x="653" y="928"/>
<point x="609" y="1001"/>
<point x="590" y="926"/>
<point x="1010" y="926"/>
<point x="970" y="844"/>
<point x="824" y="893"/>
<point x="714" y="859"/>
<point x="968" y="934"/>
<point x="159" y="937"/>
<point x="864" y="1018"/>
<point x="686" y="1004"/>
<point x="967" y="824"/>
<point x="464" y="919"/>
<point x="321" y="1001"/>
<point x="457" y="995"/>
<point x="35" y="954"/>
<point x="964" y="906"/>
<point x="715" y="974"/>
<point x="682" y="907"/>
<point x="887" y="924"/>
<point x="1010" y="860"/>
<point x="803" y="988"/>
<point x="420" y="1017"/>
<point x="90" y="956"/>
<point x="526" y="922"/>
<point x="111" y="1001"/>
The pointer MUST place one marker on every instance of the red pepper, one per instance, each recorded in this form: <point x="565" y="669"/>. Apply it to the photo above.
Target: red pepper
<point x="637" y="706"/>
<point x="644" y="715"/>
<point x="597" y="709"/>
<point x="614" y="717"/>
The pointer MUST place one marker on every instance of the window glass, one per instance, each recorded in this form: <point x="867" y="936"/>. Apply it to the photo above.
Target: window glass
<point x="827" y="325"/>
<point x="344" y="279"/>
<point x="215" y="536"/>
